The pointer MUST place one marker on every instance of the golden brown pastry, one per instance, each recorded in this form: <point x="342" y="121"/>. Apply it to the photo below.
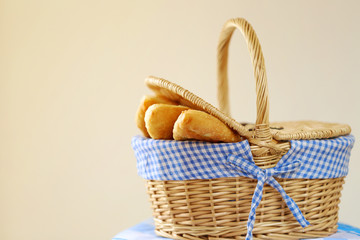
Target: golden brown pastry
<point x="146" y="102"/>
<point x="160" y="119"/>
<point x="198" y="125"/>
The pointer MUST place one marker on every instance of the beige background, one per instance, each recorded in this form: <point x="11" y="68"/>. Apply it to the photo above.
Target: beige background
<point x="71" y="77"/>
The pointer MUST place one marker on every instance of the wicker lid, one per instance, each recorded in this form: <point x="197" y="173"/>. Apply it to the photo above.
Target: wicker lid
<point x="279" y="130"/>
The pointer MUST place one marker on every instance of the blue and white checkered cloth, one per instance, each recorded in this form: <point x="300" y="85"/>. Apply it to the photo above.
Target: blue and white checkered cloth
<point x="185" y="160"/>
<point x="146" y="231"/>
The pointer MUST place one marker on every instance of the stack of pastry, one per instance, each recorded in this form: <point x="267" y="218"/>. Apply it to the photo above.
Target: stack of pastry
<point x="162" y="118"/>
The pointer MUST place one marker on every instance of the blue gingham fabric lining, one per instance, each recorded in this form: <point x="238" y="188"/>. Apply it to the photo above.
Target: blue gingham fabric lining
<point x="185" y="160"/>
<point x="177" y="160"/>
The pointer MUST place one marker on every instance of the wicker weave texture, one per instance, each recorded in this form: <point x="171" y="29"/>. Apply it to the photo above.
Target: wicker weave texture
<point x="219" y="208"/>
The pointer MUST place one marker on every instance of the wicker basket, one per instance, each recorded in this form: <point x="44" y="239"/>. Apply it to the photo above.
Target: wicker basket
<point x="219" y="208"/>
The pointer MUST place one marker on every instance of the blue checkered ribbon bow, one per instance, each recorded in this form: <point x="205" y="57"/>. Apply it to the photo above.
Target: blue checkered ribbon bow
<point x="266" y="176"/>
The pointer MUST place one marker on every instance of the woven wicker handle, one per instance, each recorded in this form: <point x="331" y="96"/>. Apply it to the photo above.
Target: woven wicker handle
<point x="262" y="103"/>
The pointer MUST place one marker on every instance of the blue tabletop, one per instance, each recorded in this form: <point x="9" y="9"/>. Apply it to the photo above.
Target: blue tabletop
<point x="145" y="231"/>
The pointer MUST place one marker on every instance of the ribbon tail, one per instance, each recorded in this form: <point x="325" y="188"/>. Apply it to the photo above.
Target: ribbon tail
<point x="257" y="196"/>
<point x="294" y="208"/>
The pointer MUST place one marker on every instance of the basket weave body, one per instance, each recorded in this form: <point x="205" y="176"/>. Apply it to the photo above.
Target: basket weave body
<point x="219" y="208"/>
